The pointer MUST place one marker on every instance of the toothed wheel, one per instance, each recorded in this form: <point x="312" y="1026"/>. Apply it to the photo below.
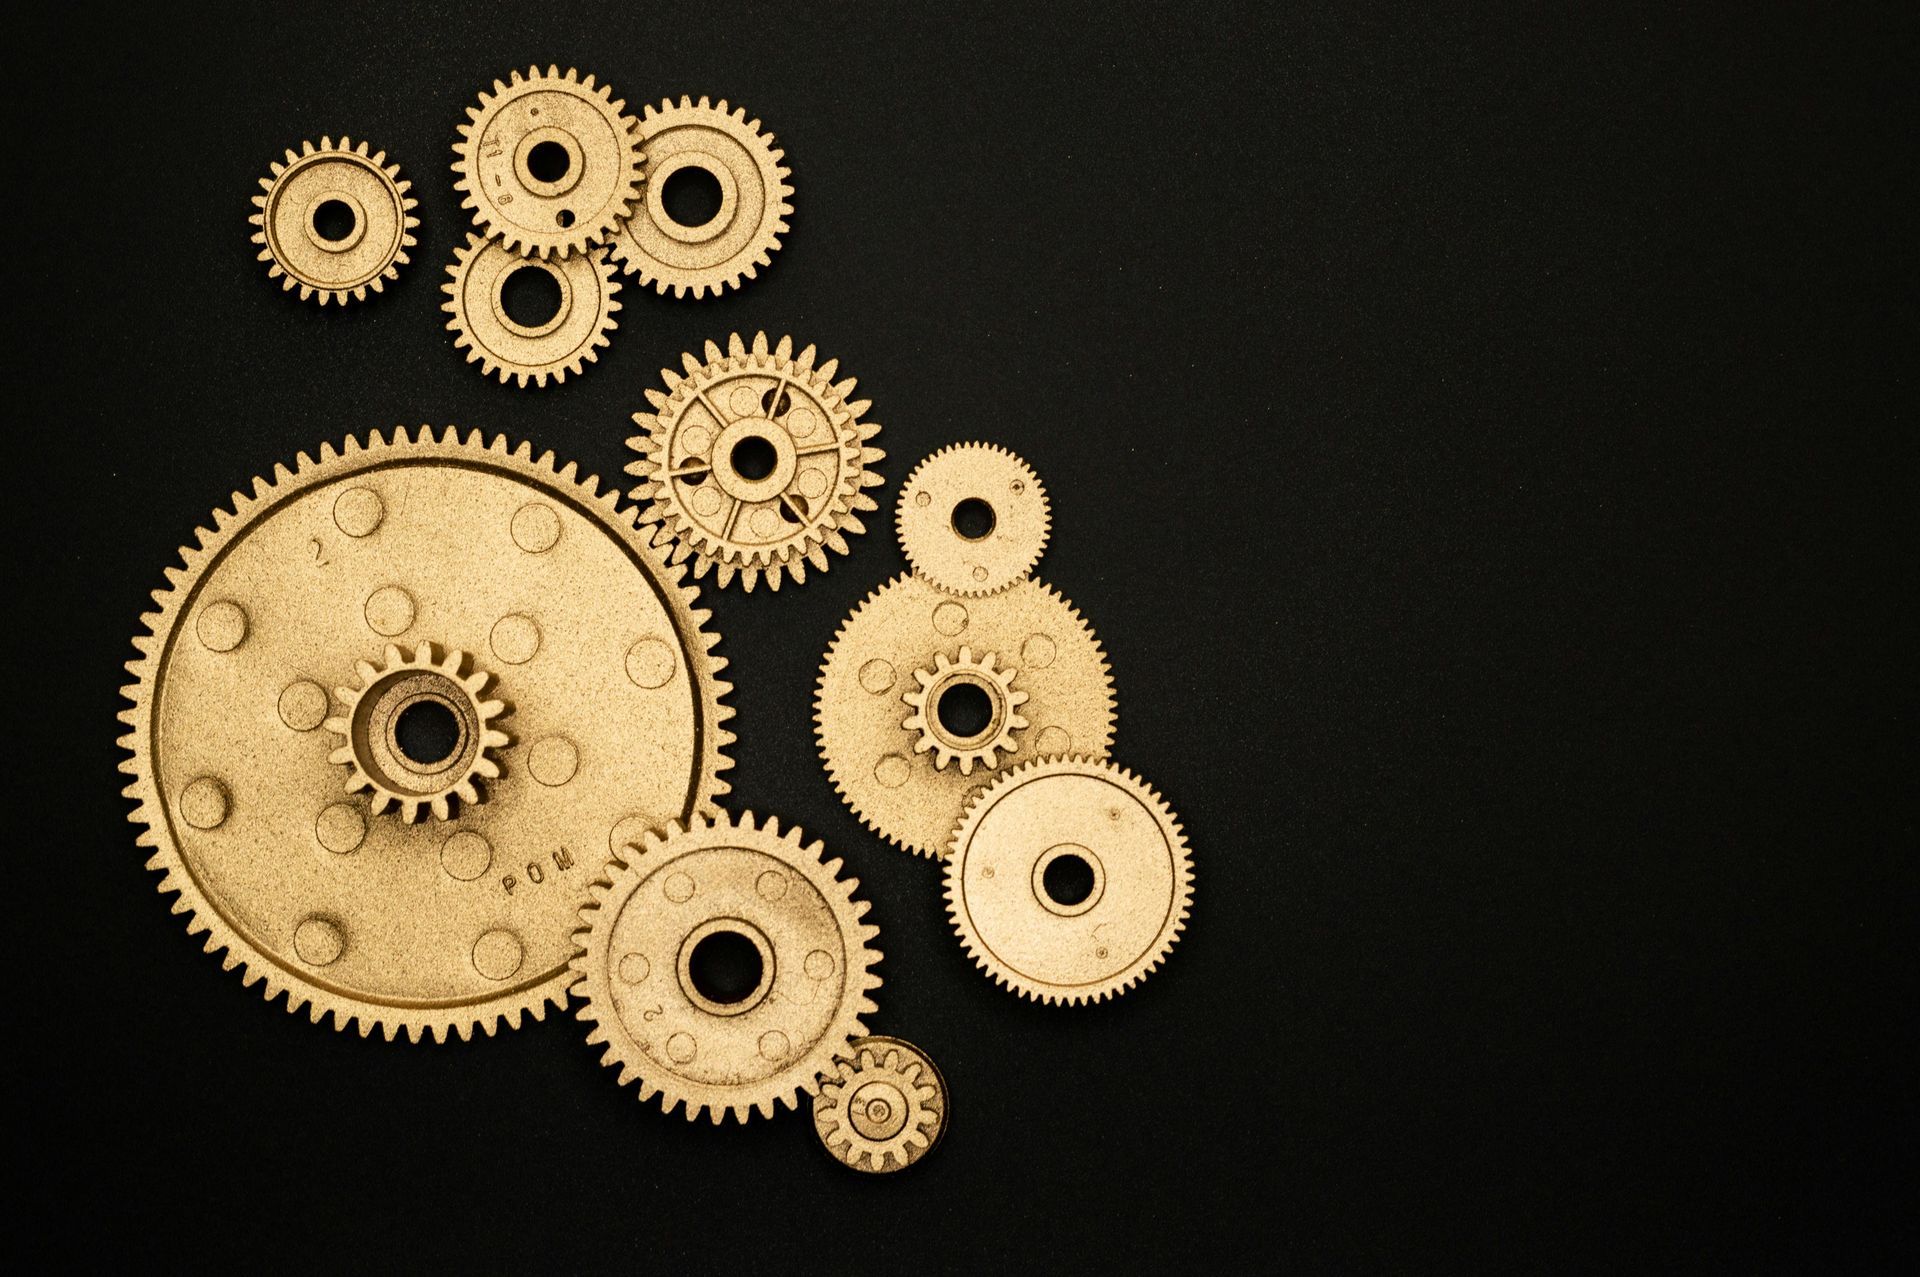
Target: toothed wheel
<point x="753" y="200"/>
<point x="334" y="221"/>
<point x="971" y="741"/>
<point x="972" y="518"/>
<point x="755" y="461"/>
<point x="883" y="1108"/>
<point x="672" y="909"/>
<point x="549" y="345"/>
<point x="446" y="587"/>
<point x="1069" y="880"/>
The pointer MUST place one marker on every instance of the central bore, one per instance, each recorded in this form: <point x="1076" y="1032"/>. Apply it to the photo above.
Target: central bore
<point x="973" y="518"/>
<point x="333" y="220"/>
<point x="964" y="710"/>
<point x="753" y="458"/>
<point x="1068" y="879"/>
<point x="691" y="196"/>
<point x="427" y="732"/>
<point x="548" y="161"/>
<point x="531" y="294"/>
<point x="725" y="967"/>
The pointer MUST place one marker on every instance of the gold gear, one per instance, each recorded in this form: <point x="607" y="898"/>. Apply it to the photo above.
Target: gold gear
<point x="589" y="189"/>
<point x="975" y="748"/>
<point x="884" y="1106"/>
<point x="897" y="790"/>
<point x="374" y="243"/>
<point x="985" y="483"/>
<point x="573" y="336"/>
<point x="635" y="963"/>
<point x="813" y="450"/>
<point x="755" y="201"/>
<point x="370" y="732"/>
<point x="452" y="545"/>
<point x="1122" y="833"/>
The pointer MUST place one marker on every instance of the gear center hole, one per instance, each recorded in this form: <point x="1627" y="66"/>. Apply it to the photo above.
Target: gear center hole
<point x="691" y="195"/>
<point x="334" y="220"/>
<point x="754" y="458"/>
<point x="1067" y="879"/>
<point x="427" y="732"/>
<point x="973" y="519"/>
<point x="725" y="967"/>
<point x="548" y="161"/>
<point x="531" y="295"/>
<point x="965" y="710"/>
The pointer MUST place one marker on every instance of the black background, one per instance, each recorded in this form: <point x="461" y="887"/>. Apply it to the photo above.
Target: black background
<point x="1482" y="444"/>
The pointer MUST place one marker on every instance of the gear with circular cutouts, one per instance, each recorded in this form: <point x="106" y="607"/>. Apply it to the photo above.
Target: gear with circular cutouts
<point x="1043" y="650"/>
<point x="560" y="344"/>
<point x="755" y="461"/>
<point x="1107" y="918"/>
<point x="948" y="744"/>
<point x="324" y="575"/>
<point x="549" y="163"/>
<point x="737" y="1049"/>
<point x="334" y="221"/>
<point x="972" y="518"/>
<point x="884" y="1106"/>
<point x="751" y="212"/>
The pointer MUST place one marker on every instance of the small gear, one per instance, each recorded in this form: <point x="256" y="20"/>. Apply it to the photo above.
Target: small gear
<point x="755" y="461"/>
<point x="371" y="732"/>
<point x="1041" y="650"/>
<point x="549" y="163"/>
<point x="972" y="518"/>
<point x="714" y="884"/>
<point x="1011" y="892"/>
<point x="561" y="344"/>
<point x="754" y="200"/>
<point x="884" y="1106"/>
<point x="335" y="221"/>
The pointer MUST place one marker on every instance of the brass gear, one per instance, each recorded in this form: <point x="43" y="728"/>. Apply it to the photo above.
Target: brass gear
<point x="478" y="316"/>
<point x="1079" y="950"/>
<point x="499" y="159"/>
<point x="813" y="443"/>
<point x="374" y="242"/>
<point x="635" y="963"/>
<point x="1042" y="646"/>
<point x="370" y="732"/>
<point x="976" y="481"/>
<point x="980" y="747"/>
<point x="755" y="200"/>
<point x="437" y="926"/>
<point x="884" y="1106"/>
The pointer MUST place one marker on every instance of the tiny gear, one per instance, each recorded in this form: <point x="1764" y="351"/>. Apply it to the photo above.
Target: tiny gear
<point x="914" y="662"/>
<point x="1069" y="880"/>
<point x="334" y="221"/>
<point x="883" y="1108"/>
<point x="554" y="346"/>
<point x="549" y="163"/>
<point x="744" y="231"/>
<point x="972" y="518"/>
<point x="646" y="952"/>
<point x="755" y="461"/>
<point x="391" y="851"/>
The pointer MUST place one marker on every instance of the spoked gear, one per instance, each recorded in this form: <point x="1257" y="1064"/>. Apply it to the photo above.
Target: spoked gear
<point x="1037" y="931"/>
<point x="720" y="883"/>
<point x="972" y="518"/>
<point x="966" y="745"/>
<point x="573" y="336"/>
<point x="755" y="200"/>
<point x="883" y="1108"/>
<point x="755" y="461"/>
<point x="334" y="221"/>
<point x="427" y="543"/>
<point x="549" y="163"/>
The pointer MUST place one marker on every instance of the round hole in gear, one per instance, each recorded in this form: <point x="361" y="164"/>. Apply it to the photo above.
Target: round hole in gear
<point x="427" y="732"/>
<point x="691" y="195"/>
<point x="964" y="710"/>
<point x="1068" y="879"/>
<point x="564" y="217"/>
<point x="973" y="518"/>
<point x="754" y="457"/>
<point x="334" y="220"/>
<point x="531" y="296"/>
<point x="548" y="161"/>
<point x="725" y="967"/>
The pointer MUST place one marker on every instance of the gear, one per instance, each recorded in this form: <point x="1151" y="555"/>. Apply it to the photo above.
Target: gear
<point x="334" y="221"/>
<point x="550" y="164"/>
<point x="972" y="519"/>
<point x="716" y="883"/>
<point x="329" y="890"/>
<point x="883" y="1108"/>
<point x="968" y="746"/>
<point x="562" y="344"/>
<point x="1020" y="921"/>
<point x="755" y="461"/>
<point x="1042" y="650"/>
<point x="743" y="233"/>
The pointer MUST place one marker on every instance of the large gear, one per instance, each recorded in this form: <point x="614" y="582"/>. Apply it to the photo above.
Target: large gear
<point x="972" y="518"/>
<point x="639" y="966"/>
<point x="573" y="336"/>
<point x="884" y="1106"/>
<point x="755" y="461"/>
<point x="744" y="231"/>
<point x="320" y="885"/>
<point x="549" y="163"/>
<point x="1031" y="639"/>
<point x="334" y="221"/>
<point x="1089" y="816"/>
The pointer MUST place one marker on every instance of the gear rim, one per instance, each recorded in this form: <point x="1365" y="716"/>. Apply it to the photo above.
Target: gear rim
<point x="380" y="190"/>
<point x="898" y="1074"/>
<point x="926" y="519"/>
<point x="572" y="338"/>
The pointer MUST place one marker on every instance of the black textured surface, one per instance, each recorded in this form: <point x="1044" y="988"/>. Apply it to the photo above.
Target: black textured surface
<point x="1483" y="445"/>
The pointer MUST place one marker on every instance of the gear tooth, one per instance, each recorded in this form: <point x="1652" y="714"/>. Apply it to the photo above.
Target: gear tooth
<point x="760" y="349"/>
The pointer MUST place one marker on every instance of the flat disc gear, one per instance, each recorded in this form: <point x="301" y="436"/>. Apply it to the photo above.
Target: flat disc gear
<point x="873" y="711"/>
<point x="1115" y="833"/>
<point x="573" y="336"/>
<point x="730" y="1051"/>
<point x="972" y="518"/>
<point x="334" y="221"/>
<point x="755" y="461"/>
<point x="549" y="163"/>
<point x="431" y="576"/>
<point x="883" y="1108"/>
<point x="744" y="231"/>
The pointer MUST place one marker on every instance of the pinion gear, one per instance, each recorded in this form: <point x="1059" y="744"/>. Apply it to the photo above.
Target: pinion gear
<point x="564" y="343"/>
<point x="972" y="518"/>
<point x="334" y="221"/>
<point x="377" y="758"/>
<point x="969" y="748"/>
<point x="884" y="1106"/>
